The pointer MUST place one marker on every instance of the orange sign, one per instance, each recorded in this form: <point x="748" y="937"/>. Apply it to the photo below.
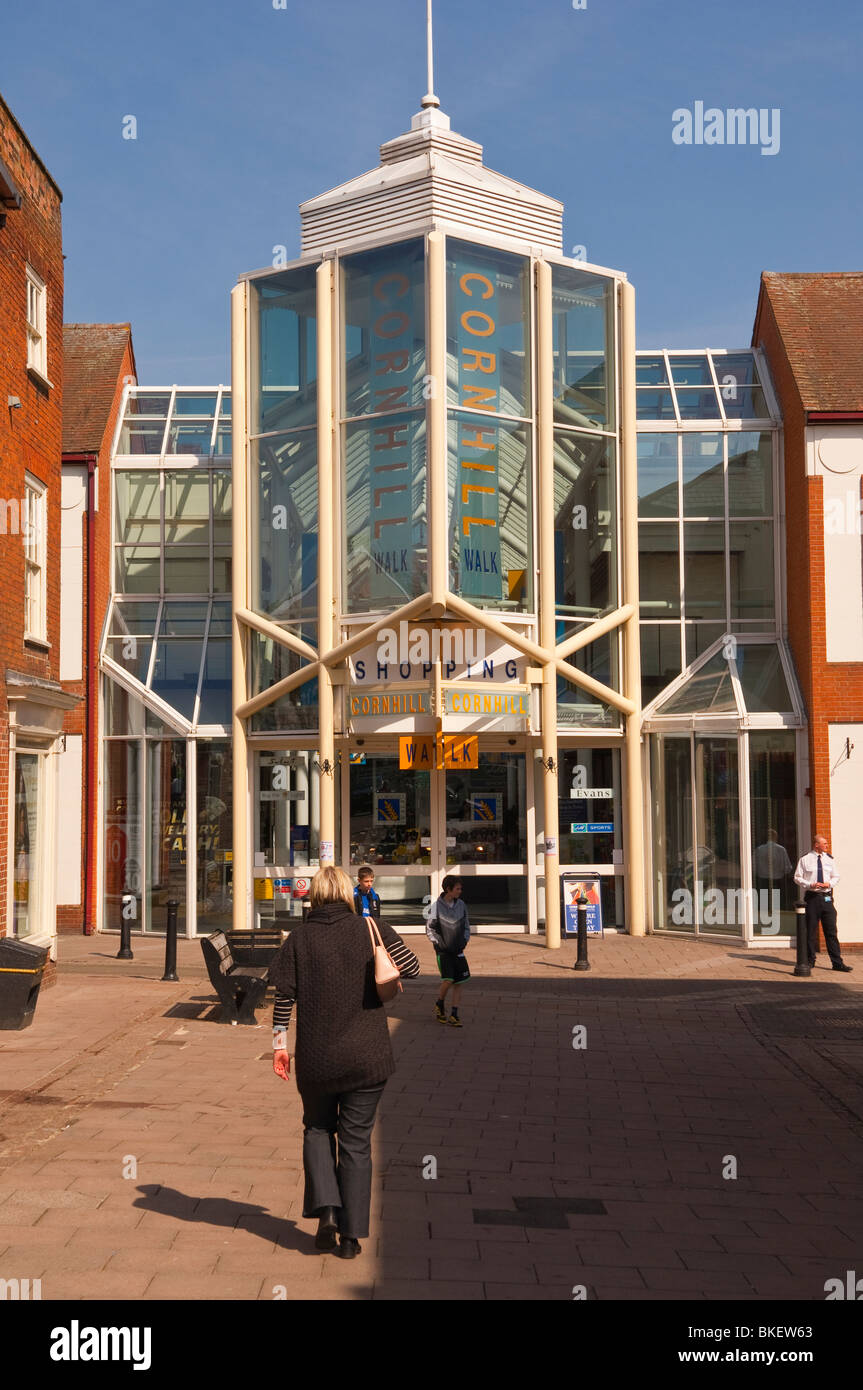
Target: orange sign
<point x="441" y="751"/>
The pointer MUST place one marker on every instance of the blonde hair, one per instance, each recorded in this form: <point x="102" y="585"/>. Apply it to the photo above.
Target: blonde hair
<point x="331" y="885"/>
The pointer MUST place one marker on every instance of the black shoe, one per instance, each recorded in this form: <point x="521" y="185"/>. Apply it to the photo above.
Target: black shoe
<point x="348" y="1248"/>
<point x="327" y="1227"/>
<point x="844" y="968"/>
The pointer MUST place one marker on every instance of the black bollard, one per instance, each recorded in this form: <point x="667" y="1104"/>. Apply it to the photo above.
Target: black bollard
<point x="171" y="942"/>
<point x="582" y="963"/>
<point x="306" y="908"/>
<point x="125" y="951"/>
<point x="802" y="967"/>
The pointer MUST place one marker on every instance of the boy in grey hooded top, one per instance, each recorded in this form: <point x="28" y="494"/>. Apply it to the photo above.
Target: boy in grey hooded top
<point x="448" y="929"/>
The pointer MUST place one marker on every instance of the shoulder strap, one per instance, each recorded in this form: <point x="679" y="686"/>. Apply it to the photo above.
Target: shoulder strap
<point x="373" y="932"/>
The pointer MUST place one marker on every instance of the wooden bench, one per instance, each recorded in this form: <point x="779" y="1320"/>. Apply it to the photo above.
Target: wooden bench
<point x="241" y="988"/>
<point x="256" y="947"/>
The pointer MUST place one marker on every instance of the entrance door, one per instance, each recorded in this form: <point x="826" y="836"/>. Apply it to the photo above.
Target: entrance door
<point x="416" y="826"/>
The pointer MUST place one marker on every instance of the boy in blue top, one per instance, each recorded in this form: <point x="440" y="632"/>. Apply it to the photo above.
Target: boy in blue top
<point x="448" y="929"/>
<point x="366" y="901"/>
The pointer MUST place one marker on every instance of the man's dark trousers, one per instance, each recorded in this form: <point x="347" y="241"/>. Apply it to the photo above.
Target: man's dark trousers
<point x="344" y="1182"/>
<point x="817" y="910"/>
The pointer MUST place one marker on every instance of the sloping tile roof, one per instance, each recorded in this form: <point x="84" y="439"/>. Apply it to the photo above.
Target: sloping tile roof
<point x="820" y="318"/>
<point x="92" y="361"/>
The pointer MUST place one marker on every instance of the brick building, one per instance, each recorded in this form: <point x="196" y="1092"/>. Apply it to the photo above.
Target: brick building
<point x="32" y="700"/>
<point x="810" y="327"/>
<point x="99" y="362"/>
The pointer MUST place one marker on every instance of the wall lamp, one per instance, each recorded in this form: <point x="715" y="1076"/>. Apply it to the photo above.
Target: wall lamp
<point x="14" y="402"/>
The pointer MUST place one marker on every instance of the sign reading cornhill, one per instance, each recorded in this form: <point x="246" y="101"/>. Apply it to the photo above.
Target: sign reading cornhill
<point x="477" y="484"/>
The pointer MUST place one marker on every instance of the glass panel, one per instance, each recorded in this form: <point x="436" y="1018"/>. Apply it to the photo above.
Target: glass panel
<point x="485" y="812"/>
<point x="189" y="438"/>
<point x="215" y="836"/>
<point x="123" y="847"/>
<point x="137" y="507"/>
<point x="691" y="371"/>
<point x="708" y="691"/>
<point x="576" y="707"/>
<point x="700" y="636"/>
<point x="287" y="822"/>
<point x="28" y="836"/>
<point x="222" y="506"/>
<point x="595" y="771"/>
<point x="488" y="339"/>
<point x="384" y="329"/>
<point x="137" y="569"/>
<point x="659" y="569"/>
<point x="131" y="636"/>
<point x="271" y="662"/>
<point x="582" y="313"/>
<point x="390" y="814"/>
<point x="745" y="403"/>
<point x="187" y="508"/>
<point x="650" y="371"/>
<point x="654" y="405"/>
<point x="223" y="443"/>
<point x="123" y="713"/>
<point x="215" y="707"/>
<point x="220" y="620"/>
<point x="718" y="895"/>
<point x="385" y="495"/>
<point x="145" y="403"/>
<point x="762" y="679"/>
<point x="192" y="403"/>
<point x="140" y="437"/>
<point x="704" y="569"/>
<point x="287" y="350"/>
<point x="742" y="396"/>
<point x="287" y="527"/>
<point x="703" y="480"/>
<point x="178" y="655"/>
<point x="166" y="849"/>
<point x="657" y="475"/>
<point x="750" y="474"/>
<point x="671" y="800"/>
<point x="585" y="529"/>
<point x="226" y="404"/>
<point x="490" y="521"/>
<point x="773" y="815"/>
<point x="187" y="570"/>
<point x="660" y="658"/>
<point x="752" y="575"/>
<point x="695" y="404"/>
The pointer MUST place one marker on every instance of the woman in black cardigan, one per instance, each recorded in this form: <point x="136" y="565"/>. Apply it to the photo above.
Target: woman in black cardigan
<point x="343" y="1055"/>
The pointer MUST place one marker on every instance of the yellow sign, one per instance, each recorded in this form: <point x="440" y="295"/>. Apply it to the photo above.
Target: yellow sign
<point x="438" y="751"/>
<point x="466" y="699"/>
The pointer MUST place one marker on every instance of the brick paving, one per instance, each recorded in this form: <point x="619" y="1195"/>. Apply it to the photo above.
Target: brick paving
<point x="696" y="1055"/>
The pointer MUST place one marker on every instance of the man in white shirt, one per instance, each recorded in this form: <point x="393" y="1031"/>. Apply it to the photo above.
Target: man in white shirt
<point x="817" y="876"/>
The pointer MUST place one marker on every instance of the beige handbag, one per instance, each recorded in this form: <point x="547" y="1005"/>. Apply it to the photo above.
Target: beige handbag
<point x="387" y="978"/>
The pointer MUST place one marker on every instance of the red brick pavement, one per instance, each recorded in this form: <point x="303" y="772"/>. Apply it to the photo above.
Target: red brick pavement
<point x="681" y="1074"/>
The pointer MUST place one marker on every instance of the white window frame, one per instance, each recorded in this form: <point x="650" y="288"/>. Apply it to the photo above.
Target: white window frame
<point x="34" y="531"/>
<point x="37" y="324"/>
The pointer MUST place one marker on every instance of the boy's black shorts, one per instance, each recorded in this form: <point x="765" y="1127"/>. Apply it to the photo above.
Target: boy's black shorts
<point x="452" y="967"/>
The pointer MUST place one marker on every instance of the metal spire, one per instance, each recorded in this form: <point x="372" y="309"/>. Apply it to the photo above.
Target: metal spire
<point x="429" y="99"/>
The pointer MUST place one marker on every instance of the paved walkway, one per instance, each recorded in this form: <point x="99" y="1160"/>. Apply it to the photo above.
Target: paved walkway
<point x="146" y="1152"/>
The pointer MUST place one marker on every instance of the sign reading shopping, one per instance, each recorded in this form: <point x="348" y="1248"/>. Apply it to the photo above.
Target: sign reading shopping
<point x="477" y="502"/>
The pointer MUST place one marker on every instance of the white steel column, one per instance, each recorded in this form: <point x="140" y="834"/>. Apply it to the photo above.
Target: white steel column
<point x="192" y="839"/>
<point x="242" y="879"/>
<point x="545" y="517"/>
<point x="326" y="577"/>
<point x="633" y="826"/>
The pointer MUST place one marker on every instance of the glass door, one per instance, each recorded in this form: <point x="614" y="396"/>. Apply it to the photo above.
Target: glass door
<point x="390" y="827"/>
<point x="484" y="837"/>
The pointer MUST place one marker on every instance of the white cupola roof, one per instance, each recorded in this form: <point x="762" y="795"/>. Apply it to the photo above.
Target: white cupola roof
<point x="430" y="176"/>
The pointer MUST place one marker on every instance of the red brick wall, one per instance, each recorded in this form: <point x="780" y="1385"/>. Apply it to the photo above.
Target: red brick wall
<point x="30" y="438"/>
<point x="71" y="918"/>
<point x="833" y="692"/>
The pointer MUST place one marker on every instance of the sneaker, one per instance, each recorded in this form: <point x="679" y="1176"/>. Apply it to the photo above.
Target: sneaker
<point x="453" y="1021"/>
<point x="440" y="1012"/>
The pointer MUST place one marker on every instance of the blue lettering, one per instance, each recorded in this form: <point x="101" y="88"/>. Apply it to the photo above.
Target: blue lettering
<point x="511" y="669"/>
<point x="382" y="671"/>
<point x="488" y="670"/>
<point x="449" y="668"/>
<point x="361" y="670"/>
<point x="405" y="670"/>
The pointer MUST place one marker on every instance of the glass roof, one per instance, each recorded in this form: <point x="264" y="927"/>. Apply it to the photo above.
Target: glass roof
<point x="680" y="386"/>
<point x="740" y="678"/>
<point x="176" y="421"/>
<point x="179" y="650"/>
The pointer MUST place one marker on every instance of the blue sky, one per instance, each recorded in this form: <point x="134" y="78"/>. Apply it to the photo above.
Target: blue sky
<point x="243" y="111"/>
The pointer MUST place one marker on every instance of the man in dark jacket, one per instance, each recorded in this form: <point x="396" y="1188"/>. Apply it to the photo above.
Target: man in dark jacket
<point x="448" y="929"/>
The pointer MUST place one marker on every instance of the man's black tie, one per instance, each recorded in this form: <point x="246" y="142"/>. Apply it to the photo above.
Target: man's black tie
<point x="820" y="870"/>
